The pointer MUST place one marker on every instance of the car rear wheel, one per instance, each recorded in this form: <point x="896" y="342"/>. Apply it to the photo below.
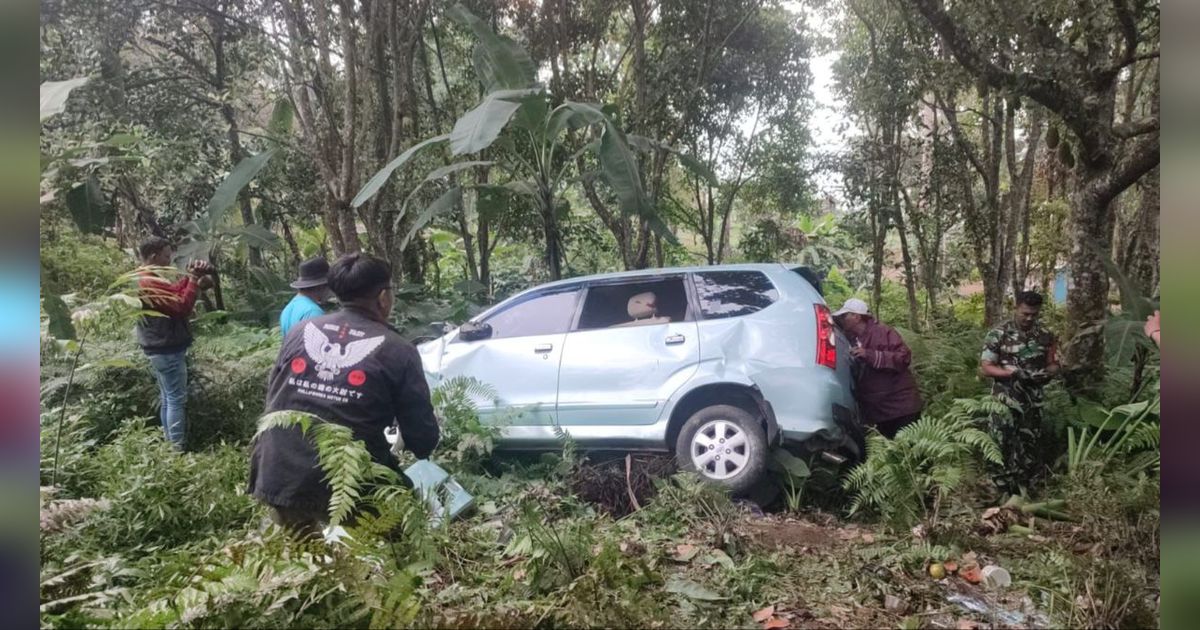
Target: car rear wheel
<point x="725" y="445"/>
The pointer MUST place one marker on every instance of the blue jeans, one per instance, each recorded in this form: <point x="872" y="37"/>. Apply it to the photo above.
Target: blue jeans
<point x="170" y="370"/>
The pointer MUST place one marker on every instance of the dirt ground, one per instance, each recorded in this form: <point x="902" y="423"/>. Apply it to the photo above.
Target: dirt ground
<point x="824" y="551"/>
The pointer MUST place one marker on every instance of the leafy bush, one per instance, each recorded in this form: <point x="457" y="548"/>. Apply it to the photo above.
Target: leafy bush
<point x="906" y="479"/>
<point x="259" y="581"/>
<point x="946" y="363"/>
<point x="159" y="497"/>
<point x="227" y="370"/>
<point x="970" y="310"/>
<point x="465" y="441"/>
<point x="80" y="264"/>
<point x="227" y="383"/>
<point x="686" y="500"/>
<point x="837" y="290"/>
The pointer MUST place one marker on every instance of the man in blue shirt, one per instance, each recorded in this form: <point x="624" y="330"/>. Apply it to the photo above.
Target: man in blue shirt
<point x="311" y="290"/>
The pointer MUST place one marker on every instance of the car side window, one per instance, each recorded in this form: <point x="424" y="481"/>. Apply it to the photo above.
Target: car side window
<point x="545" y="314"/>
<point x="733" y="293"/>
<point x="634" y="303"/>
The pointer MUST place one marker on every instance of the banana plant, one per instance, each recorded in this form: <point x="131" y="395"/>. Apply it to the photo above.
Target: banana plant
<point x="1130" y="430"/>
<point x="52" y="96"/>
<point x="538" y="146"/>
<point x="208" y="233"/>
<point x="79" y="166"/>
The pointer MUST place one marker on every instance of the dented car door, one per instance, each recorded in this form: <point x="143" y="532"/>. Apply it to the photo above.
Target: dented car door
<point x="519" y="360"/>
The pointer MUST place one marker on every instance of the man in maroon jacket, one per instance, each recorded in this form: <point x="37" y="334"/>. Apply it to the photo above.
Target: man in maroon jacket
<point x="886" y="390"/>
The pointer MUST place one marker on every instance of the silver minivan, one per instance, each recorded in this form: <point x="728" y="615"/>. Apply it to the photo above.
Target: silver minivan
<point x="716" y="364"/>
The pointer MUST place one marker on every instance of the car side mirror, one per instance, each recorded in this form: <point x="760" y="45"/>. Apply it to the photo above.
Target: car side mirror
<point x="472" y="331"/>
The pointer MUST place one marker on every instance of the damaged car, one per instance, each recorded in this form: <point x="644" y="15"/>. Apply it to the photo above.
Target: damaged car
<point x="717" y="365"/>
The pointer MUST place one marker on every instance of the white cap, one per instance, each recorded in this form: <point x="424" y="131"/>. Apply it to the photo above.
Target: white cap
<point x="853" y="305"/>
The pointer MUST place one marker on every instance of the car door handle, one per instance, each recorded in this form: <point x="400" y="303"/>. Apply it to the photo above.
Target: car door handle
<point x="675" y="340"/>
<point x="545" y="347"/>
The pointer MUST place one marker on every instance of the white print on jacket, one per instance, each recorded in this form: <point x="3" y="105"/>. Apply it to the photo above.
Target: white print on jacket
<point x="329" y="357"/>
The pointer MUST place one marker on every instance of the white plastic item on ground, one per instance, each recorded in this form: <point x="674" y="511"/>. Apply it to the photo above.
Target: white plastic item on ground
<point x="996" y="577"/>
<point x="445" y="497"/>
<point x="335" y="534"/>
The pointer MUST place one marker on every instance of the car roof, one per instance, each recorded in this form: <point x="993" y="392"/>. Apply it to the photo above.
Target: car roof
<point x="660" y="271"/>
<point x="638" y="273"/>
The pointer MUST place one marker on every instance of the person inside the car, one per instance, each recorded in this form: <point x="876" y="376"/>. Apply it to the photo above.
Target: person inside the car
<point x="350" y="368"/>
<point x="643" y="308"/>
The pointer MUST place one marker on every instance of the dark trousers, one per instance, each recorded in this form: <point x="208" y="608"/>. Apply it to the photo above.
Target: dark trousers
<point x="889" y="428"/>
<point x="301" y="522"/>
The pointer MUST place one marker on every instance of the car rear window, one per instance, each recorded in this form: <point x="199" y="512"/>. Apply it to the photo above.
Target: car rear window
<point x="733" y="293"/>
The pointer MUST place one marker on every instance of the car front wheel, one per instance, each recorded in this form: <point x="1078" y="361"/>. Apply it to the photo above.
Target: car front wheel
<point x="725" y="445"/>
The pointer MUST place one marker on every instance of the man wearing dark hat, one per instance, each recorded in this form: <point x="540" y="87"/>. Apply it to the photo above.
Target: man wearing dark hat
<point x="312" y="289"/>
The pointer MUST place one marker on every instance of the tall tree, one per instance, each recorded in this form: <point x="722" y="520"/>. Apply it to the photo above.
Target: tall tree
<point x="879" y="77"/>
<point x="327" y="104"/>
<point x="1068" y="56"/>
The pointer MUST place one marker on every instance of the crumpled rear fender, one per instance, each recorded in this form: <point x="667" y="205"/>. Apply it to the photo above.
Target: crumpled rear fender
<point x="770" y="352"/>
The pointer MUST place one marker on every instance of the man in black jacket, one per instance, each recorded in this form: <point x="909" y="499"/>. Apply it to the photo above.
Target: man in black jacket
<point x="350" y="368"/>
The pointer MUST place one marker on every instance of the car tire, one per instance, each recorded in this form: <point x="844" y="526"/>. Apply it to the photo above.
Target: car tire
<point x="741" y="467"/>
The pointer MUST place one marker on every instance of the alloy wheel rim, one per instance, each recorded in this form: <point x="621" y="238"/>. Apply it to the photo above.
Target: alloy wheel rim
<point x="720" y="449"/>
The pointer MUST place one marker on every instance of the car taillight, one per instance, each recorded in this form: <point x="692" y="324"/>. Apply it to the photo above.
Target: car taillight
<point x="826" y="341"/>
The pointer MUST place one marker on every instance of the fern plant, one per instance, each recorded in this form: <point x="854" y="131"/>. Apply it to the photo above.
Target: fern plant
<point x="345" y="460"/>
<point x="570" y="451"/>
<point x="465" y="440"/>
<point x="906" y="479"/>
<point x="559" y="552"/>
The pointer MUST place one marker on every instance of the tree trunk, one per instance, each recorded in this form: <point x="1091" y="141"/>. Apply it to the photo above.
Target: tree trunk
<point x="1020" y="189"/>
<point x="413" y="263"/>
<point x="914" y="321"/>
<point x="348" y="225"/>
<point x="483" y="240"/>
<point x="216" y="276"/>
<point x="1087" y="301"/>
<point x="288" y="237"/>
<point x="551" y="233"/>
<point x="236" y="153"/>
<point x="878" y="232"/>
<point x="1142" y="248"/>
<point x="468" y="241"/>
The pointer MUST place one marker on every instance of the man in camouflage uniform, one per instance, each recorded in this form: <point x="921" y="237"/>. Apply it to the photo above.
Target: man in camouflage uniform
<point x="1019" y="356"/>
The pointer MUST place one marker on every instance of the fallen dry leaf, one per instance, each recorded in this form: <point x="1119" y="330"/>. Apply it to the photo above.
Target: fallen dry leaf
<point x="894" y="604"/>
<point x="951" y="566"/>
<point x="775" y="622"/>
<point x="969" y="557"/>
<point x="685" y="552"/>
<point x="971" y="573"/>
<point x="764" y="614"/>
<point x="966" y="624"/>
<point x="868" y="538"/>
